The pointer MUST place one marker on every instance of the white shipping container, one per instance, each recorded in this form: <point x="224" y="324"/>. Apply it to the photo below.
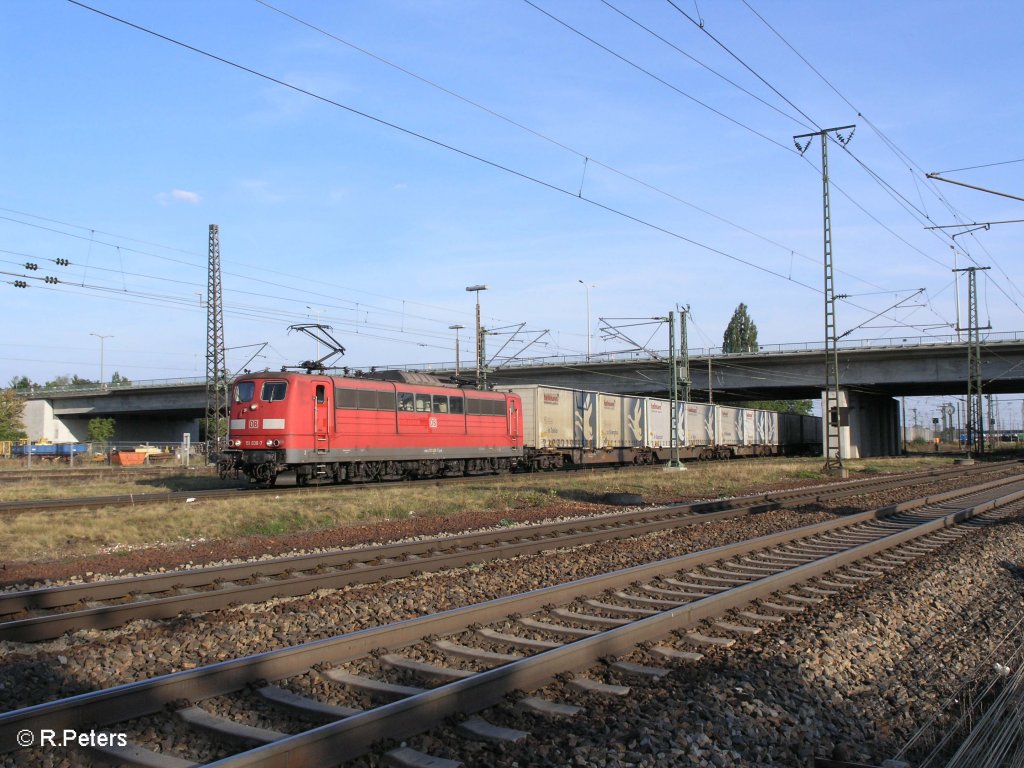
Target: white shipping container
<point x="659" y="423"/>
<point x="766" y="428"/>
<point x="700" y="424"/>
<point x="620" y="420"/>
<point x="730" y="425"/>
<point x="557" y="417"/>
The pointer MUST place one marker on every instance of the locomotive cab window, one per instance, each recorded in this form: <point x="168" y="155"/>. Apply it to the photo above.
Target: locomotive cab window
<point x="321" y="394"/>
<point x="273" y="391"/>
<point x="244" y="391"/>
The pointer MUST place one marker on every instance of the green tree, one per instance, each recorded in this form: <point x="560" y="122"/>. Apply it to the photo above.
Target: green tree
<point x="782" y="406"/>
<point x="741" y="333"/>
<point x="101" y="430"/>
<point x="58" y="381"/>
<point x="118" y="379"/>
<point x="11" y="407"/>
<point x="21" y="383"/>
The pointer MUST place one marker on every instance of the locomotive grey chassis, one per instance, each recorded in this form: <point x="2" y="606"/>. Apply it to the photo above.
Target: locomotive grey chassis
<point x="564" y="427"/>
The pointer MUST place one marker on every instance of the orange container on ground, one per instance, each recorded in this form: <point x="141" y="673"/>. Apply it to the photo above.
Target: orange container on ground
<point x="128" y="458"/>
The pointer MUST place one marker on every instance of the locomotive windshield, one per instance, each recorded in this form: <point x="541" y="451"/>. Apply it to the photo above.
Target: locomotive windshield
<point x="244" y="391"/>
<point x="274" y="390"/>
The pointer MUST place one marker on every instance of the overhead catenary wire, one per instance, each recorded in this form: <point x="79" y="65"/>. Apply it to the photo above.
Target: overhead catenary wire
<point x="586" y="157"/>
<point x="899" y="153"/>
<point x="444" y="145"/>
<point x="573" y="193"/>
<point x="899" y="198"/>
<point x="661" y="80"/>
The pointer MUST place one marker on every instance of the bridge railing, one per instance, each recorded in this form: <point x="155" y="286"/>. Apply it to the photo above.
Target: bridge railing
<point x="705" y="352"/>
<point x="37" y="391"/>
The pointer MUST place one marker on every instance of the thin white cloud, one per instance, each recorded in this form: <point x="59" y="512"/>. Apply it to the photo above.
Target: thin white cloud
<point x="178" y="196"/>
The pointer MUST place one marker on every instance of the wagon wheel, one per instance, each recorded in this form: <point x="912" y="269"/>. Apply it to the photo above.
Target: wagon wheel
<point x="224" y="467"/>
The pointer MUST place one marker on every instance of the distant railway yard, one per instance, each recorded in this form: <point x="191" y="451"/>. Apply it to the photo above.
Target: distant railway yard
<point x="735" y="613"/>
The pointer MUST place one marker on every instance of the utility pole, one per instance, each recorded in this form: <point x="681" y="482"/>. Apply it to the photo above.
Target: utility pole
<point x="685" y="353"/>
<point x="481" y="376"/>
<point x="216" y="366"/>
<point x="456" y="328"/>
<point x="674" y="392"/>
<point x="102" y="338"/>
<point x="588" y="287"/>
<point x="831" y="413"/>
<point x="975" y="425"/>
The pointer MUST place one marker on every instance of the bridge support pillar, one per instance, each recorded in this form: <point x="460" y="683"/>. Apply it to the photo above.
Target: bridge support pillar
<point x="869" y="425"/>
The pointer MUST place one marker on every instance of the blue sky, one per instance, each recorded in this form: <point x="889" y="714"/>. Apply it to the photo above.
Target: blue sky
<point x="648" y="176"/>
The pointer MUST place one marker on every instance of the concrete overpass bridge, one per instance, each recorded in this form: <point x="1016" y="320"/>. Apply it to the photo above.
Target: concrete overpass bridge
<point x="871" y="374"/>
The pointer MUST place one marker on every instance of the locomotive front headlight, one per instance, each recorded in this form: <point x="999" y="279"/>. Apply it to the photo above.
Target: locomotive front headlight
<point x="238" y="443"/>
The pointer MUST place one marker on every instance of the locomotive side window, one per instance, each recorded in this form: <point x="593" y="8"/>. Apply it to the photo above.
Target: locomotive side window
<point x="321" y="394"/>
<point x="366" y="399"/>
<point x="406" y="401"/>
<point x="345" y="398"/>
<point x="455" y="404"/>
<point x="440" y="403"/>
<point x="244" y="391"/>
<point x="274" y="390"/>
<point x="477" y="406"/>
<point x="423" y="403"/>
<point x="386" y="401"/>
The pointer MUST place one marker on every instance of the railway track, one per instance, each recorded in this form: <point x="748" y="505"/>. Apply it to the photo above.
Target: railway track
<point x="64" y="474"/>
<point x="137" y="499"/>
<point x="456" y="664"/>
<point x="42" y="614"/>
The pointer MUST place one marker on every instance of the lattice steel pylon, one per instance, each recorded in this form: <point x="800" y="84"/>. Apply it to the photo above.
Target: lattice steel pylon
<point x="832" y="414"/>
<point x="975" y="424"/>
<point x="216" y="366"/>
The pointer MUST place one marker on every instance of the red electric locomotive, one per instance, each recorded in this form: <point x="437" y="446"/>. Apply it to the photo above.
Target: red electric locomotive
<point x="388" y="426"/>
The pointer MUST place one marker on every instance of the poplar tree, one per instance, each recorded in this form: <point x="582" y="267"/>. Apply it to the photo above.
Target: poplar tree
<point x="741" y="333"/>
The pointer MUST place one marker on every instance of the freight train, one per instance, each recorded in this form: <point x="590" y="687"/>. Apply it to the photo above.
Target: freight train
<point x="397" y="425"/>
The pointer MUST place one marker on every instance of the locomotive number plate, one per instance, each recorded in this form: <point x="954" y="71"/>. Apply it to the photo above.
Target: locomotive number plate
<point x="254" y="423"/>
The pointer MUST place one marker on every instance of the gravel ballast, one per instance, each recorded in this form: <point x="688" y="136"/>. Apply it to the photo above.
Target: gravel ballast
<point x="855" y="675"/>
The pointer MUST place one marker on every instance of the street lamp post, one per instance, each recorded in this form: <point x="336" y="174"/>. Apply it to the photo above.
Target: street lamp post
<point x="588" y="287"/>
<point x="101" y="338"/>
<point x="479" y="346"/>
<point x="456" y="328"/>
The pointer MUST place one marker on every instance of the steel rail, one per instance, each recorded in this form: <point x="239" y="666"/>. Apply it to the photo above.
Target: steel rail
<point x="132" y="700"/>
<point x="356" y="735"/>
<point x="307" y="573"/>
<point x="112" y="473"/>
